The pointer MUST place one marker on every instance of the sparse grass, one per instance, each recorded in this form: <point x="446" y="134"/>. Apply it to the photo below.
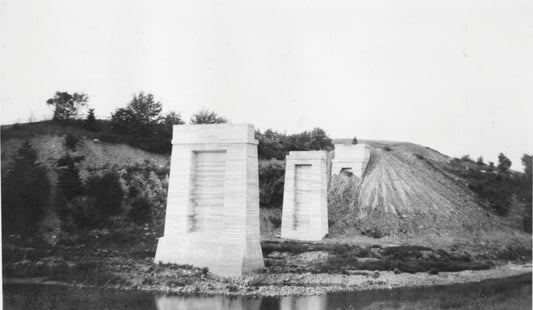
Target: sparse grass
<point x="343" y="257"/>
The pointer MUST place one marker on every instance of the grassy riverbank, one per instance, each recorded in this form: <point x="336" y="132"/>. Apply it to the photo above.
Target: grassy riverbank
<point x="291" y="267"/>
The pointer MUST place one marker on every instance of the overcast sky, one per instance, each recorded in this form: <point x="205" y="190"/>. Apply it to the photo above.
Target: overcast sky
<point x="453" y="75"/>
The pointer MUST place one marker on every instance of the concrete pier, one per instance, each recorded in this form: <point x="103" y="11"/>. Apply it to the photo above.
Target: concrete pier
<point x="305" y="210"/>
<point x="351" y="158"/>
<point x="212" y="216"/>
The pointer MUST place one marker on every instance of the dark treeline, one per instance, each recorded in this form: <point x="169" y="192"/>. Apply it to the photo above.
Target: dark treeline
<point x="142" y="124"/>
<point x="273" y="144"/>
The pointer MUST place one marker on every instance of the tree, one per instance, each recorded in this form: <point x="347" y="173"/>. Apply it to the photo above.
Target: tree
<point x="526" y="161"/>
<point x="319" y="140"/>
<point x="25" y="193"/>
<point x="504" y="163"/>
<point x="354" y="140"/>
<point x="145" y="109"/>
<point x="480" y="161"/>
<point x="123" y="121"/>
<point x="140" y="117"/>
<point x="271" y="144"/>
<point x="69" y="184"/>
<point x="173" y="118"/>
<point x="168" y="122"/>
<point x="205" y="116"/>
<point x="67" y="106"/>
<point x="299" y="142"/>
<point x="90" y="121"/>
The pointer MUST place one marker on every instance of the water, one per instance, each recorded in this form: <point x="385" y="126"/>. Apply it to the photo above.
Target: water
<point x="511" y="293"/>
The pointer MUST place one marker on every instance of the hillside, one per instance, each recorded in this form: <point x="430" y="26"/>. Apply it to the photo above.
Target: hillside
<point x="411" y="190"/>
<point x="137" y="168"/>
<point x="407" y="190"/>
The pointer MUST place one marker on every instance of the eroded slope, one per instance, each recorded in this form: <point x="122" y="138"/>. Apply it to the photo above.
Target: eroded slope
<point x="406" y="189"/>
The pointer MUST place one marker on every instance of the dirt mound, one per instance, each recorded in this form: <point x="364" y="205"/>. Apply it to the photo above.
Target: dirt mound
<point x="405" y="190"/>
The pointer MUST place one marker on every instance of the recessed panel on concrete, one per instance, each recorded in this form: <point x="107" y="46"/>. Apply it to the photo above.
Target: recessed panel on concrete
<point x="350" y="158"/>
<point x="305" y="213"/>
<point x="212" y="216"/>
<point x="207" y="190"/>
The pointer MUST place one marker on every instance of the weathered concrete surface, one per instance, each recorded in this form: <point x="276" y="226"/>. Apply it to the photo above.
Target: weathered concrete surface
<point x="212" y="216"/>
<point x="305" y="210"/>
<point x="350" y="157"/>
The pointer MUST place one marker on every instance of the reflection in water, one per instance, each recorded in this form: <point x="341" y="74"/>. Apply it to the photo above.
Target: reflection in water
<point x="210" y="302"/>
<point x="244" y="303"/>
<point x="512" y="293"/>
<point x="303" y="302"/>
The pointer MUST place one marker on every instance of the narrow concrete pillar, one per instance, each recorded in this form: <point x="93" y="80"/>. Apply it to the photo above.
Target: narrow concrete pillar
<point x="351" y="158"/>
<point x="305" y="205"/>
<point x="212" y="216"/>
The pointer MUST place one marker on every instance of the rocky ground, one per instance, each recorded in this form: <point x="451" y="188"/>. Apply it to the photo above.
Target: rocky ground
<point x="292" y="268"/>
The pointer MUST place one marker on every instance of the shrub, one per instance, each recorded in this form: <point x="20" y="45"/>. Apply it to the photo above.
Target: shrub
<point x="466" y="158"/>
<point x="374" y="232"/>
<point x="69" y="185"/>
<point x="271" y="182"/>
<point x="527" y="163"/>
<point x="205" y="116"/>
<point x="83" y="213"/>
<point x="497" y="190"/>
<point x="25" y="193"/>
<point x="140" y="211"/>
<point x="273" y="144"/>
<point x="105" y="193"/>
<point x="387" y="148"/>
<point x="503" y="163"/>
<point x="354" y="140"/>
<point x="71" y="141"/>
<point x="90" y="121"/>
<point x="276" y="222"/>
<point x="232" y="288"/>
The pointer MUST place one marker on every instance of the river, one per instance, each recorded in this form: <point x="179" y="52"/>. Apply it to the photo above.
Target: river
<point x="510" y="293"/>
